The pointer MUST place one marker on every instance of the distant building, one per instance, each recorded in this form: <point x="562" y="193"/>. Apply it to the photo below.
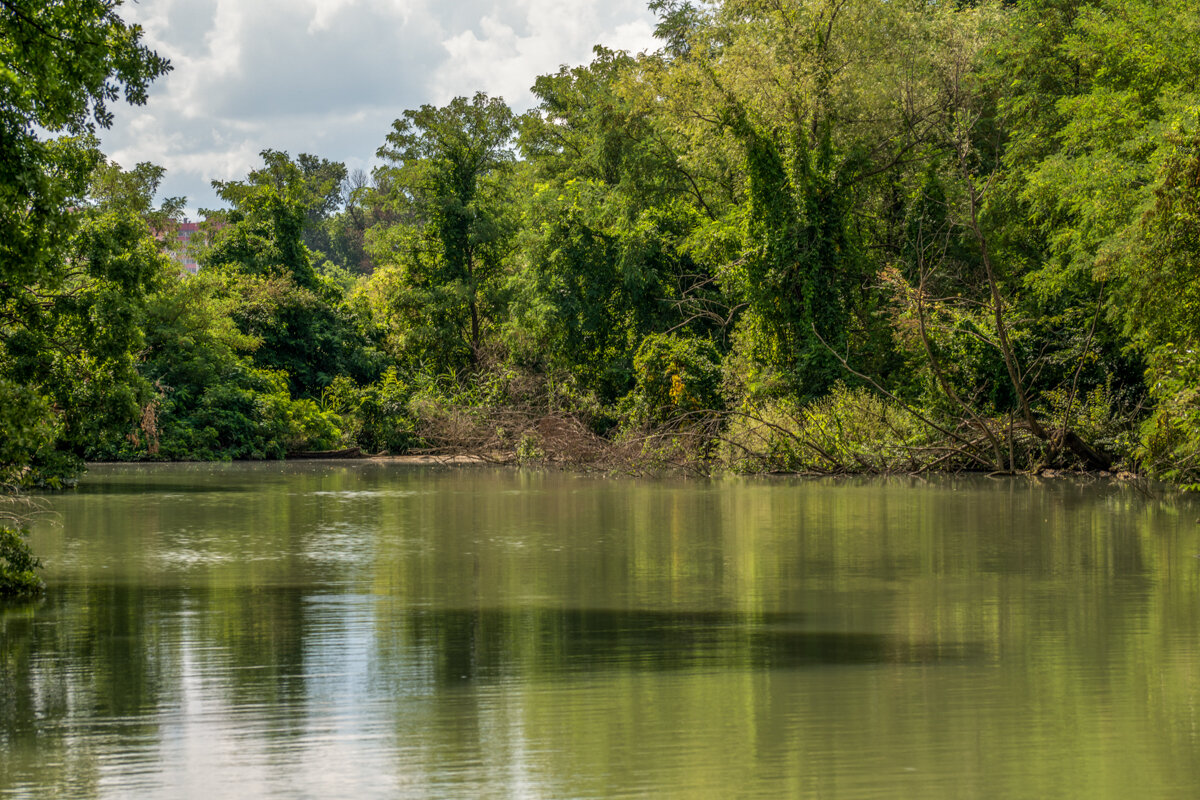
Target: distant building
<point x="188" y="239"/>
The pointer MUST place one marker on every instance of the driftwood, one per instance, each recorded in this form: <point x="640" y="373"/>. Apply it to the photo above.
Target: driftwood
<point x="345" y="452"/>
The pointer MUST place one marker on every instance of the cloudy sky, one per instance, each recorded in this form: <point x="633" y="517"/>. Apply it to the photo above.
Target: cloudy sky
<point x="328" y="76"/>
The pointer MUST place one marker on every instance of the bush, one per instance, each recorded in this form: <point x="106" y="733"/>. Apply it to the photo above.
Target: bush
<point x="18" y="566"/>
<point x="375" y="417"/>
<point x="848" y="430"/>
<point x="676" y="376"/>
<point x="311" y="428"/>
<point x="1097" y="416"/>
<point x="1171" y="436"/>
<point x="29" y="429"/>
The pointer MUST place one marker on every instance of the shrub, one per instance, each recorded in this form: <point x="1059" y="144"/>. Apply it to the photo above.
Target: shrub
<point x="18" y="566"/>
<point x="1171" y="436"/>
<point x="1096" y="416"/>
<point x="676" y="376"/>
<point x="376" y="417"/>
<point x="311" y="428"/>
<point x="28" y="431"/>
<point x="848" y="430"/>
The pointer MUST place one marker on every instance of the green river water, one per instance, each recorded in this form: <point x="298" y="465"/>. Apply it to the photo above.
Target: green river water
<point x="377" y="630"/>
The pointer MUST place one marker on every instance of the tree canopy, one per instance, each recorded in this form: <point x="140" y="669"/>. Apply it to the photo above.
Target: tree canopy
<point x="822" y="235"/>
<point x="71" y="272"/>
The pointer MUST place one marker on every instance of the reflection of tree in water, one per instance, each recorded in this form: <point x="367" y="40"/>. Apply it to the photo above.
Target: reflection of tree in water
<point x="99" y="653"/>
<point x="258" y="635"/>
<point x="18" y="706"/>
<point x="463" y="645"/>
<point x="108" y="652"/>
<point x="114" y="654"/>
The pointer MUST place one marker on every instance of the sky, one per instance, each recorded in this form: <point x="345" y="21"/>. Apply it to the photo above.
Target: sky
<point x="328" y="77"/>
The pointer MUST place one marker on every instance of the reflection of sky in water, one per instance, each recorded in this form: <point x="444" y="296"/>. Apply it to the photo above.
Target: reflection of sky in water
<point x="328" y="742"/>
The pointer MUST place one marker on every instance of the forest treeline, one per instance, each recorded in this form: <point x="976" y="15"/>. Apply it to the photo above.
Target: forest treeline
<point x="803" y="235"/>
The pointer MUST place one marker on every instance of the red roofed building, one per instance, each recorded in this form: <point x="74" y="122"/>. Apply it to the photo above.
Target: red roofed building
<point x="189" y="237"/>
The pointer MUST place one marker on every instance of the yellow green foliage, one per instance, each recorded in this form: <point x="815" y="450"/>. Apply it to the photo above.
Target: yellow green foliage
<point x="848" y="430"/>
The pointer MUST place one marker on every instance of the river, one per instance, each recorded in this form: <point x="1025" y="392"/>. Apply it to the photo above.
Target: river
<point x="379" y="630"/>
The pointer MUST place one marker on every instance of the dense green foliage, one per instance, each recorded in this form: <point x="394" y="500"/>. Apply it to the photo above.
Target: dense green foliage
<point x="813" y="234"/>
<point x="18" y="565"/>
<point x="72" y="273"/>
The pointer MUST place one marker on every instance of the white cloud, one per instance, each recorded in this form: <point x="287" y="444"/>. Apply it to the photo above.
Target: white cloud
<point x="501" y="60"/>
<point x="329" y="76"/>
<point x="325" y="12"/>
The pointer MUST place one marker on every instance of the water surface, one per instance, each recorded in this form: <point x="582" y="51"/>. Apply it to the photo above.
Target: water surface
<point x="317" y="630"/>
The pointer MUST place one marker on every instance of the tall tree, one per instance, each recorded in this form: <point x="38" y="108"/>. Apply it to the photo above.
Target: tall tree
<point x="1099" y="102"/>
<point x="612" y="207"/>
<point x="445" y="168"/>
<point x="311" y="185"/>
<point x="297" y="314"/>
<point x="67" y="277"/>
<point x="822" y="101"/>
